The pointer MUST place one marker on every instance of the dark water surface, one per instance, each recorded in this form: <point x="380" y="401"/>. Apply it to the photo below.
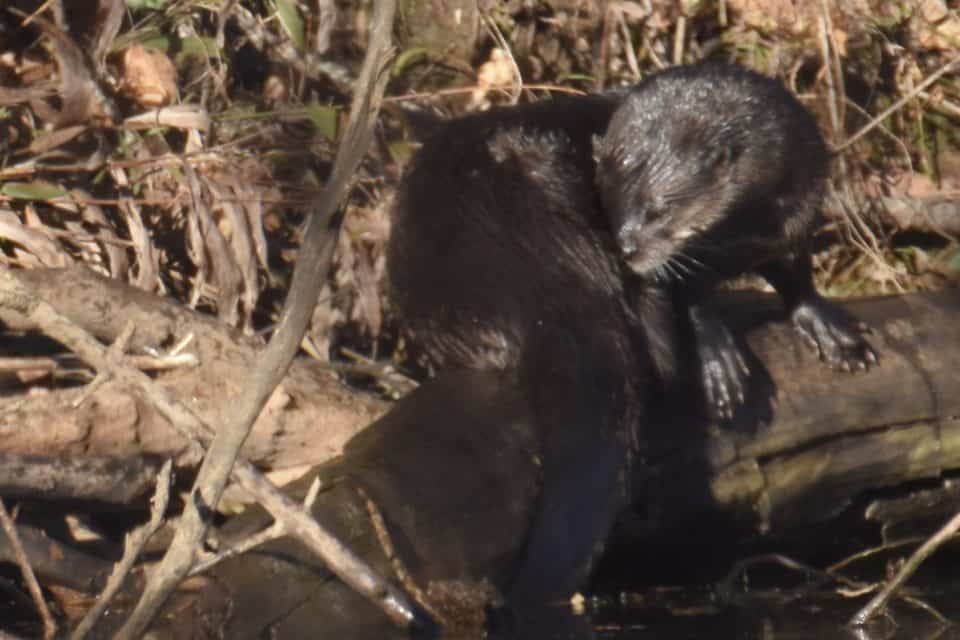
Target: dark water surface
<point x="822" y="617"/>
<point x="682" y="614"/>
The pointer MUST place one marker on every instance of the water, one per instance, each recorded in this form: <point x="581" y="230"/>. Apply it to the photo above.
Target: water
<point x="790" y="610"/>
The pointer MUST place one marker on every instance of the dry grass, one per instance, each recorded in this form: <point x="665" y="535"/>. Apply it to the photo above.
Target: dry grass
<point x="172" y="144"/>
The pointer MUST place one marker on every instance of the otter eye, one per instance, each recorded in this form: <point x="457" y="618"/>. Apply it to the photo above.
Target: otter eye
<point x="654" y="209"/>
<point x="716" y="157"/>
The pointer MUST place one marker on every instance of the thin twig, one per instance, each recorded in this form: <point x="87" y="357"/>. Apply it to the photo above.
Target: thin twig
<point x="835" y="65"/>
<point x="909" y="567"/>
<point x="351" y="569"/>
<point x="896" y="106"/>
<point x="828" y="68"/>
<point x="274" y="531"/>
<point x="473" y="88"/>
<point x="494" y="31"/>
<point x="133" y="545"/>
<point x="312" y="267"/>
<point x="628" y="47"/>
<point x="863" y="554"/>
<point x="49" y="625"/>
<point x="884" y="130"/>
<point x="14" y="296"/>
<point x="928" y="608"/>
<point x="390" y="551"/>
<point x="679" y="38"/>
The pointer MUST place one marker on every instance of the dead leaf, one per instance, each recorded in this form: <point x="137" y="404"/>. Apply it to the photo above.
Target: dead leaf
<point x="495" y="72"/>
<point x="55" y="139"/>
<point x="149" y="77"/>
<point x="935" y="26"/>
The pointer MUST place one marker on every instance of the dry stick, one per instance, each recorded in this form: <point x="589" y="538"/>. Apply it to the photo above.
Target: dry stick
<point x="133" y="545"/>
<point x="828" y="68"/>
<point x="831" y="64"/>
<point x="628" y="46"/>
<point x="49" y="626"/>
<point x="312" y="266"/>
<point x="473" y="88"/>
<point x="909" y="567"/>
<point x="399" y="568"/>
<point x="896" y="106"/>
<point x="679" y="38"/>
<point x="352" y="570"/>
<point x="274" y="531"/>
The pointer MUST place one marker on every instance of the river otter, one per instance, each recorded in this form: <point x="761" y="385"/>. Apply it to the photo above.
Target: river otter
<point x="709" y="171"/>
<point x="499" y="258"/>
<point x="507" y="253"/>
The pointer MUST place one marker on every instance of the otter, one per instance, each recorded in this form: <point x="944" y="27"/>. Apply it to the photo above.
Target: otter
<point x="709" y="171"/>
<point x="520" y="245"/>
<point x="500" y="259"/>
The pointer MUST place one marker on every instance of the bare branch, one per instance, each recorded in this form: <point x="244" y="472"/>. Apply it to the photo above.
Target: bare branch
<point x="49" y="626"/>
<point x="909" y="567"/>
<point x="312" y="267"/>
<point x="135" y="541"/>
<point x="344" y="563"/>
<point x="896" y="106"/>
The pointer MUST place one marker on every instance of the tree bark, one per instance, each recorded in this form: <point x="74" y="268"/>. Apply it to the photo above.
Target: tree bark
<point x="307" y="420"/>
<point x="828" y="437"/>
<point x="453" y="467"/>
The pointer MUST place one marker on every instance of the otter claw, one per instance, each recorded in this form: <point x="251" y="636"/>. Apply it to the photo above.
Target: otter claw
<point x="724" y="374"/>
<point x="837" y="338"/>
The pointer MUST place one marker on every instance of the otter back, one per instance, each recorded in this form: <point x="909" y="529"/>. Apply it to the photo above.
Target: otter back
<point x="500" y="258"/>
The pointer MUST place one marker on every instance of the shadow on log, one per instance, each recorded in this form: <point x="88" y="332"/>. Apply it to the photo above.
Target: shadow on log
<point x="454" y="469"/>
<point x="833" y="434"/>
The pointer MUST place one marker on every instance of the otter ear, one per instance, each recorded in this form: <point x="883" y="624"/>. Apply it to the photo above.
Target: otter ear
<point x="597" y="144"/>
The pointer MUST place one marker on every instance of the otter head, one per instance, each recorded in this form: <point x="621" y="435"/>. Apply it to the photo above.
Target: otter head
<point x="665" y="177"/>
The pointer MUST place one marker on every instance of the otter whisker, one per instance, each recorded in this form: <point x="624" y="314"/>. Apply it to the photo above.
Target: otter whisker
<point x="658" y="274"/>
<point x="692" y="263"/>
<point x="679" y="267"/>
<point x="674" y="268"/>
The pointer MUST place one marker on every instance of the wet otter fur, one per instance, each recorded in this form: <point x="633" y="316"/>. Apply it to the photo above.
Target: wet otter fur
<point x="500" y="258"/>
<point x="514" y="248"/>
<point x="709" y="171"/>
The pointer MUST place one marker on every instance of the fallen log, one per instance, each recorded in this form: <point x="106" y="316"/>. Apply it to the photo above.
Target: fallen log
<point x="452" y="470"/>
<point x="307" y="420"/>
<point x="832" y="434"/>
<point x="830" y="437"/>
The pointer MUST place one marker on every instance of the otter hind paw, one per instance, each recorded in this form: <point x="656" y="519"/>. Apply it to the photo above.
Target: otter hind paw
<point x="837" y="337"/>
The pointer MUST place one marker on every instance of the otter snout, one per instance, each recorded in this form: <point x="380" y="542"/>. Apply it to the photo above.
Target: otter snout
<point x="628" y="244"/>
<point x="627" y="238"/>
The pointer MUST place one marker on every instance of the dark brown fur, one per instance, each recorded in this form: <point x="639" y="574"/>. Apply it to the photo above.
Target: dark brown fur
<point x="709" y="171"/>
<point x="500" y="258"/>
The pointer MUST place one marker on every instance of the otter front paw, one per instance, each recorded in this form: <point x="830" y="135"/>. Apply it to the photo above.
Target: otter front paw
<point x="836" y="336"/>
<point x="724" y="374"/>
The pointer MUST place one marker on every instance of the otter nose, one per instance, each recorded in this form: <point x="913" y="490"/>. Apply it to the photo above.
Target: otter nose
<point x="627" y="240"/>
